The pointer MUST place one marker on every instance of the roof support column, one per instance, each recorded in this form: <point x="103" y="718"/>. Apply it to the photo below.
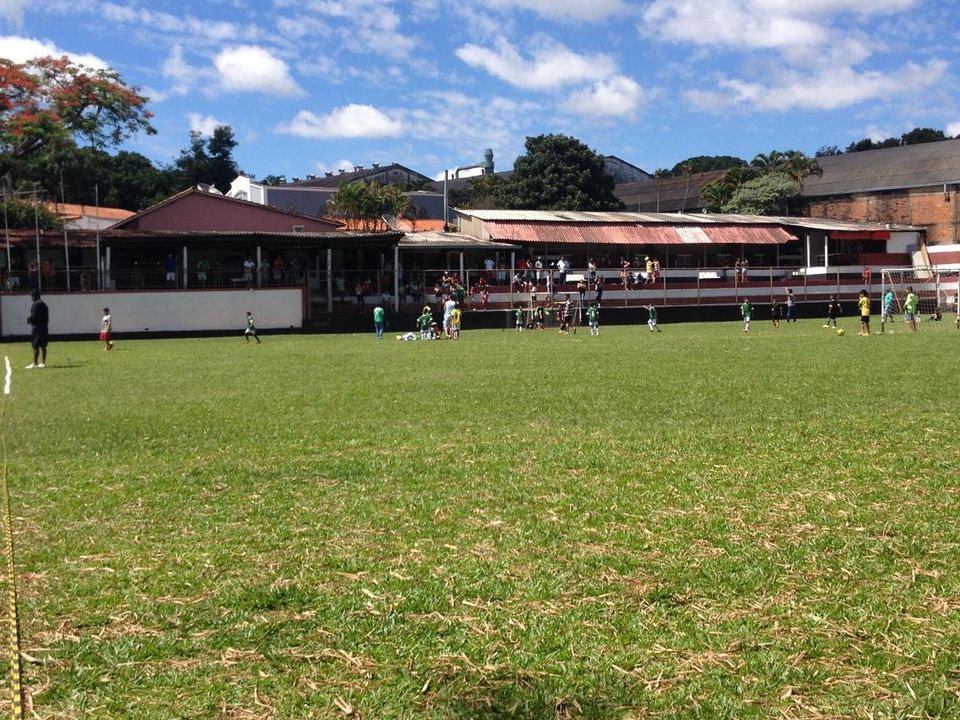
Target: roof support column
<point x="329" y="281"/>
<point x="259" y="269"/>
<point x="185" y="268"/>
<point x="807" y="242"/>
<point x="826" y="249"/>
<point x="396" y="277"/>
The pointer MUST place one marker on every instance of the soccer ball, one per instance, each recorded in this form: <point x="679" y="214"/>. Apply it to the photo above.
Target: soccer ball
<point x="840" y="331"/>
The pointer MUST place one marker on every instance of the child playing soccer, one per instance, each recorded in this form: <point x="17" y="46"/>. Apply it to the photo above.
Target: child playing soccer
<point x="833" y="309"/>
<point x="106" y="324"/>
<point x="455" y="323"/>
<point x="864" y="305"/>
<point x="424" y="321"/>
<point x="746" y="310"/>
<point x="652" y="318"/>
<point x="519" y="314"/>
<point x="775" y="313"/>
<point x="593" y="317"/>
<point x="251" y="329"/>
<point x="886" y="313"/>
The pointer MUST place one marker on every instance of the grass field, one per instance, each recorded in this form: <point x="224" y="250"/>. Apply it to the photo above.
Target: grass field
<point x="696" y="523"/>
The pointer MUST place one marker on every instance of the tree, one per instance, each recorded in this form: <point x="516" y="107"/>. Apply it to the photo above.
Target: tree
<point x="799" y="166"/>
<point x="706" y="163"/>
<point x="480" y="193"/>
<point x="51" y="102"/>
<point x="922" y="135"/>
<point x="828" y="151"/>
<point x="769" y="162"/>
<point x="768" y="194"/>
<point x="558" y="173"/>
<point x="27" y="215"/>
<point x="274" y="180"/>
<point x="126" y="180"/>
<point x="209" y="161"/>
<point x="717" y="194"/>
<point x="868" y="144"/>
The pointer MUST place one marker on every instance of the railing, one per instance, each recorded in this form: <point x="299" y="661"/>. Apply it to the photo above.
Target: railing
<point x="628" y="287"/>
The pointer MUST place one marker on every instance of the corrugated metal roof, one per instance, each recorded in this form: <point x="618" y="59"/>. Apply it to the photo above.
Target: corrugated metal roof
<point x="562" y="216"/>
<point x="907" y="166"/>
<point x="633" y="233"/>
<point x="439" y="241"/>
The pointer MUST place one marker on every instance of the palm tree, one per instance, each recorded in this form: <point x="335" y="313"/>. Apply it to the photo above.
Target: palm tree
<point x="660" y="174"/>
<point x="799" y="166"/>
<point x="768" y="162"/>
<point x="717" y="194"/>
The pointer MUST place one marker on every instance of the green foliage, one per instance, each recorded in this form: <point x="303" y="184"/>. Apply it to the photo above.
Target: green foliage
<point x="26" y="215"/>
<point x="558" y="173"/>
<point x="126" y="180"/>
<point x="828" y="151"/>
<point x="922" y="135"/>
<point x="274" y="180"/>
<point x="728" y="528"/>
<point x="208" y="160"/>
<point x="913" y="137"/>
<point x="768" y="194"/>
<point x="51" y="102"/>
<point x="368" y="203"/>
<point x="706" y="163"/>
<point x="482" y="192"/>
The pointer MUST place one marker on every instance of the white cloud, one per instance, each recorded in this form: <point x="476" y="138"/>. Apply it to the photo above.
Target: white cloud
<point x="735" y="23"/>
<point x="877" y="134"/>
<point x="552" y="65"/>
<point x="349" y="121"/>
<point x="780" y="24"/>
<point x="204" y="124"/>
<point x="185" y="27"/>
<point x="618" y="96"/>
<point x="952" y="129"/>
<point x="344" y="165"/>
<point x="182" y="74"/>
<point x="248" y="68"/>
<point x="12" y="10"/>
<point x="564" y="9"/>
<point x="827" y="90"/>
<point x="21" y="49"/>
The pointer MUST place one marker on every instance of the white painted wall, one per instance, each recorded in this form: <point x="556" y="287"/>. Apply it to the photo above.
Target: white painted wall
<point x="903" y="242"/>
<point x="179" y="311"/>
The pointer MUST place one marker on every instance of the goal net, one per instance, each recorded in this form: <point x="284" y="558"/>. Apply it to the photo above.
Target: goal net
<point x="936" y="291"/>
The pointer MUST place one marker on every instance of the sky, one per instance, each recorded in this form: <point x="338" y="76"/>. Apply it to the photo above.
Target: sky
<point x="310" y="86"/>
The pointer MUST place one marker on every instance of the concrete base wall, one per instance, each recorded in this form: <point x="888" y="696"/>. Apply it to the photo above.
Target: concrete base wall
<point x="199" y="311"/>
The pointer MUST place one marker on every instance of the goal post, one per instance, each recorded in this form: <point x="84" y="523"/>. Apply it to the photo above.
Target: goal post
<point x="936" y="294"/>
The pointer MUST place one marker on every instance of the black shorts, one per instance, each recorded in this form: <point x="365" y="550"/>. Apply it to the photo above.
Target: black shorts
<point x="865" y="319"/>
<point x="38" y="338"/>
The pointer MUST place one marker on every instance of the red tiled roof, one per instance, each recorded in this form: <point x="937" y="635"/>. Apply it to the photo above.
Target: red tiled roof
<point x="70" y="210"/>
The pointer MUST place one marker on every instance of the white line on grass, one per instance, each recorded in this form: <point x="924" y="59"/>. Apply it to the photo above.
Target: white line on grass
<point x="6" y="377"/>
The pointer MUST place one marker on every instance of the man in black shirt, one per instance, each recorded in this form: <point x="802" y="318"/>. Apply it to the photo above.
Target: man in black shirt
<point x="39" y="321"/>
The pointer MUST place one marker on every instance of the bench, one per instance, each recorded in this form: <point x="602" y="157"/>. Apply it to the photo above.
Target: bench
<point x="708" y="275"/>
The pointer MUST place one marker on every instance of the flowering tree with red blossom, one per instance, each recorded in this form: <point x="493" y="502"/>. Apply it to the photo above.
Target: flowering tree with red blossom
<point x="52" y="102"/>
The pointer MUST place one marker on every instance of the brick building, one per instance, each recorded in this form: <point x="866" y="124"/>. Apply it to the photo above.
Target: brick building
<point x="909" y="185"/>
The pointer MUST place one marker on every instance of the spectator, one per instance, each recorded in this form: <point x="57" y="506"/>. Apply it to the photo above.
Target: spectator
<point x="39" y="321"/>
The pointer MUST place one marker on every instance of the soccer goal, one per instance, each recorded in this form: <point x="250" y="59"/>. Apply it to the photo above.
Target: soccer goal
<point x="937" y="293"/>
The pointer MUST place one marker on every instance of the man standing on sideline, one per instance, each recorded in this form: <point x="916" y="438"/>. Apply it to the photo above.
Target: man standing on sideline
<point x="39" y="320"/>
<point x="378" y="321"/>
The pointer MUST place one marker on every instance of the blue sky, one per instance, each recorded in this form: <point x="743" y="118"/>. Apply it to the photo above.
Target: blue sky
<point x="313" y="85"/>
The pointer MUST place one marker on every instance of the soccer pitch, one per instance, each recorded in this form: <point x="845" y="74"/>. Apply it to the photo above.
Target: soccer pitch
<point x="695" y="523"/>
